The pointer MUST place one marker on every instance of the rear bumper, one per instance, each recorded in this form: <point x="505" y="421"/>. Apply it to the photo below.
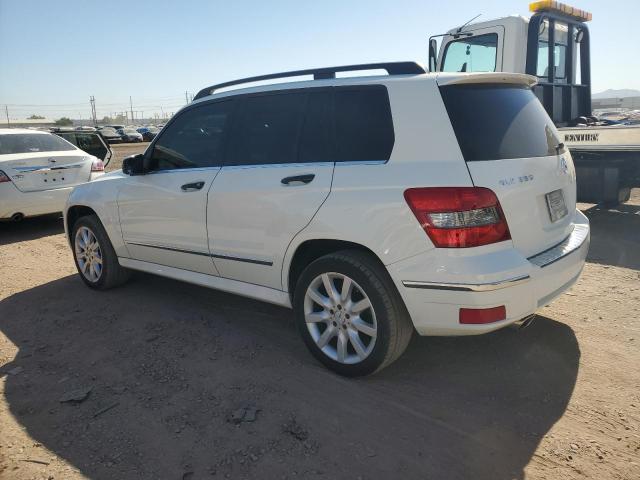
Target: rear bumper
<point x="14" y="201"/>
<point x="436" y="284"/>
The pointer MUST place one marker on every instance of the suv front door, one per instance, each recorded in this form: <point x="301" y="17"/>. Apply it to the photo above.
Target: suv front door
<point x="163" y="211"/>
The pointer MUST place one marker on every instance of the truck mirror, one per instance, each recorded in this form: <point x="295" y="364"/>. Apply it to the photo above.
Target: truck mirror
<point x="433" y="51"/>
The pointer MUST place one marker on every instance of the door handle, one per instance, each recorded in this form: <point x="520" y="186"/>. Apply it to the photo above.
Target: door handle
<point x="298" y="179"/>
<point x="192" y="187"/>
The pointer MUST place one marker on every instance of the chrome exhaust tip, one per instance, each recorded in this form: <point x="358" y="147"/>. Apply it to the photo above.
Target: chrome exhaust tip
<point x="523" y="323"/>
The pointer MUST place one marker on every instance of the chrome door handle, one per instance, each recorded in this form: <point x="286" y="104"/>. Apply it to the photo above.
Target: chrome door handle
<point x="192" y="187"/>
<point x="298" y="179"/>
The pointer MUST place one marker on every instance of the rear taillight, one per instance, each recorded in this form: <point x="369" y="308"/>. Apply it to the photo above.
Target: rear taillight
<point x="97" y="166"/>
<point x="3" y="177"/>
<point x="459" y="217"/>
<point x="478" y="316"/>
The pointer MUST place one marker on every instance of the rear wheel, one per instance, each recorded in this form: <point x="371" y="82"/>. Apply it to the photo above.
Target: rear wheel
<point x="94" y="255"/>
<point x="350" y="315"/>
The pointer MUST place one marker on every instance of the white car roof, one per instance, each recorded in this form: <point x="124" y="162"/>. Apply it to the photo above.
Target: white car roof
<point x="9" y="131"/>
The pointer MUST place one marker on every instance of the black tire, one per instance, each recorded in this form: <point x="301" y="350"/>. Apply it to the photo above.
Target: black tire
<point x="394" y="327"/>
<point x="112" y="274"/>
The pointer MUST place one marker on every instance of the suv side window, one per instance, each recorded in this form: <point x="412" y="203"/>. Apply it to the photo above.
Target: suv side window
<point x="194" y="139"/>
<point x="316" y="139"/>
<point x="268" y="129"/>
<point x="363" y="122"/>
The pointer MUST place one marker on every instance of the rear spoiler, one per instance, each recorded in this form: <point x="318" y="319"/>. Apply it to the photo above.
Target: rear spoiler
<point x="489" y="77"/>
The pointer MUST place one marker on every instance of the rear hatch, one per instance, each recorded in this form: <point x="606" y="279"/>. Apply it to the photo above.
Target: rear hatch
<point x="39" y="161"/>
<point x="512" y="147"/>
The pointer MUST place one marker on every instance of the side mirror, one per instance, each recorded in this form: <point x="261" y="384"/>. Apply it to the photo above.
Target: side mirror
<point x="134" y="165"/>
<point x="433" y="53"/>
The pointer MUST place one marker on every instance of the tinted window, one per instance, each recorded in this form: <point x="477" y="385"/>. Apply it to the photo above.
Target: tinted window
<point x="363" y="123"/>
<point x="89" y="142"/>
<point x="268" y="129"/>
<point x="472" y="54"/>
<point x="194" y="139"/>
<point x="497" y="122"/>
<point x="316" y="139"/>
<point x="32" y="142"/>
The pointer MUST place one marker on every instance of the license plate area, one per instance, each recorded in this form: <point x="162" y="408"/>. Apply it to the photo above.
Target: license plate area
<point x="556" y="205"/>
<point x="55" y="177"/>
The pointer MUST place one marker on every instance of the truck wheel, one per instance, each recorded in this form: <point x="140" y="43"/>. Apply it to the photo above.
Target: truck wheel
<point x="95" y="258"/>
<point x="350" y="314"/>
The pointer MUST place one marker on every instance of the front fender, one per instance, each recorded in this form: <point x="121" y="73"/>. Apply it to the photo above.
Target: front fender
<point x="100" y="196"/>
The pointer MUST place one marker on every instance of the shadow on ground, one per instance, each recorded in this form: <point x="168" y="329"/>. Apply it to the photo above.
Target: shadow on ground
<point x="30" y="229"/>
<point x="615" y="236"/>
<point x="169" y="364"/>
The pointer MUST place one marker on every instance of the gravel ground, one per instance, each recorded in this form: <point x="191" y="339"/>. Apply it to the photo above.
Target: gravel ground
<point x="173" y="381"/>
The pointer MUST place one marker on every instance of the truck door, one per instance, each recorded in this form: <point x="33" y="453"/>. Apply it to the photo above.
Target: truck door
<point x="474" y="50"/>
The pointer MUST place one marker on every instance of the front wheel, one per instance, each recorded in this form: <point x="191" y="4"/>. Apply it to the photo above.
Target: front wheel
<point x="350" y="314"/>
<point x="94" y="255"/>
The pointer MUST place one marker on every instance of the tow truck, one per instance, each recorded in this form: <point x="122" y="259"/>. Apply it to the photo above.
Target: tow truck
<point x="553" y="46"/>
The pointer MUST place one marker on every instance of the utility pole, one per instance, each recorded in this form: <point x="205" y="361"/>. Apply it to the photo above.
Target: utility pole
<point x="131" y="105"/>
<point x="186" y="96"/>
<point x="6" y="111"/>
<point x="92" y="100"/>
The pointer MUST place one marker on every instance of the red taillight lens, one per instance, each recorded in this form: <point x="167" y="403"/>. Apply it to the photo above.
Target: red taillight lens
<point x="459" y="217"/>
<point x="97" y="166"/>
<point x="3" y="177"/>
<point x="477" y="316"/>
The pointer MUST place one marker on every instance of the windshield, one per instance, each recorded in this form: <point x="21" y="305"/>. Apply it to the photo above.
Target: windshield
<point x="32" y="142"/>
<point x="471" y="54"/>
<point x="494" y="122"/>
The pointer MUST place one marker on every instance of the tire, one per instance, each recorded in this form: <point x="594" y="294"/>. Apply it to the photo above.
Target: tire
<point x="327" y="323"/>
<point x="110" y="274"/>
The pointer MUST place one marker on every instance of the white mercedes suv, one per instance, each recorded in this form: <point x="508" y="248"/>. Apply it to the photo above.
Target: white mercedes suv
<point x="373" y="206"/>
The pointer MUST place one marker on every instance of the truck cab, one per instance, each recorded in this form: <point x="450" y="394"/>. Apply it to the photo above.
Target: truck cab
<point x="553" y="46"/>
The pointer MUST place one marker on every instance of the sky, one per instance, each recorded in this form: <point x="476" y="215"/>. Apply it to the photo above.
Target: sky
<point x="55" y="55"/>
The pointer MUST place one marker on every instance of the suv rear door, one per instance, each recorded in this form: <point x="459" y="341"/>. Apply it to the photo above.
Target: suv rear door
<point x="277" y="174"/>
<point x="511" y="146"/>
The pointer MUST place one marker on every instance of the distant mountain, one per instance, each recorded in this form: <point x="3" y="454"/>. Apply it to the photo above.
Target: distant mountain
<point x="622" y="93"/>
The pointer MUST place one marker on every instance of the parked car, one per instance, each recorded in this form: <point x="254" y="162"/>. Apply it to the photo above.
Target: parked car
<point x="39" y="169"/>
<point x="148" y="133"/>
<point x="129" y="135"/>
<point x="373" y="206"/>
<point x="110" y="135"/>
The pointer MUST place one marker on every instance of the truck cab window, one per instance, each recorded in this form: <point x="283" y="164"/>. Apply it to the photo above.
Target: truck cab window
<point x="471" y="54"/>
<point x="559" y="52"/>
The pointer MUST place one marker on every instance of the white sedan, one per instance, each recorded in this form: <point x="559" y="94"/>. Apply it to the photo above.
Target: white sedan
<point x="38" y="171"/>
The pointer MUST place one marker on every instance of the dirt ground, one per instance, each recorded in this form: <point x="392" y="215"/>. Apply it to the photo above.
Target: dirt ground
<point x="175" y="381"/>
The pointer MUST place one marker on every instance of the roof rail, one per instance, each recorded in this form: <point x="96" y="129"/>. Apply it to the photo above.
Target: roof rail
<point x="392" y="68"/>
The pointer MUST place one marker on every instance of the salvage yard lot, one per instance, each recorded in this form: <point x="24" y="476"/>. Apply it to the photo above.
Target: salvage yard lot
<point x="178" y="381"/>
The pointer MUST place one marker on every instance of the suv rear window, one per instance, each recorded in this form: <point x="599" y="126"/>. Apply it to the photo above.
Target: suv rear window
<point x="32" y="142"/>
<point x="495" y="122"/>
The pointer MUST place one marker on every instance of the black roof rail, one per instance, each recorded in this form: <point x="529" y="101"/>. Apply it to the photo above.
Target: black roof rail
<point x="392" y="68"/>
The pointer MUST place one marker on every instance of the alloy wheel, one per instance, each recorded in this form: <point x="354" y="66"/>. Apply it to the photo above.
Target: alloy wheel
<point x="88" y="254"/>
<point x="340" y="318"/>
